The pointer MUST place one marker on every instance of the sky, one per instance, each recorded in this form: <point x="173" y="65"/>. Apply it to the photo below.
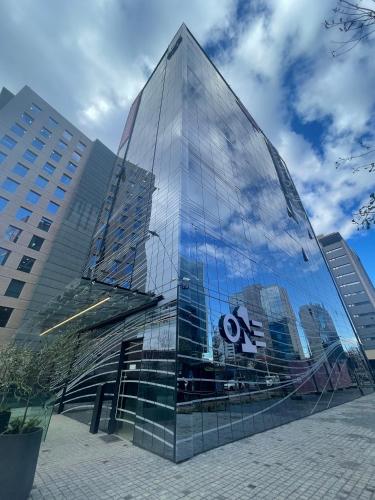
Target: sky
<point x="89" y="59"/>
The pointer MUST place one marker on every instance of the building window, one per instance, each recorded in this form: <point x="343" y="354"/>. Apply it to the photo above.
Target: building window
<point x="345" y="274"/>
<point x="59" y="193"/>
<point x="52" y="122"/>
<point x="34" y="108"/>
<point x="67" y="135"/>
<point x="115" y="266"/>
<point x="26" y="118"/>
<point x="119" y="232"/>
<point x="62" y="145"/>
<point x="36" y="243"/>
<point x="33" y="197"/>
<point x="14" y="288"/>
<point x="49" y="168"/>
<point x="20" y="169"/>
<point x="52" y="207"/>
<point x="65" y="179"/>
<point x="333" y="250"/>
<point x="23" y="214"/>
<point x="18" y="130"/>
<point x="12" y="234"/>
<point x="30" y="156"/>
<point x="10" y="185"/>
<point x="4" y="254"/>
<point x="339" y="267"/>
<point x="41" y="181"/>
<point x="38" y="144"/>
<point x="128" y="269"/>
<point x="45" y="132"/>
<point x="3" y="157"/>
<point x="76" y="156"/>
<point x="3" y="203"/>
<point x="26" y="264"/>
<point x="5" y="313"/>
<point x="353" y="293"/>
<point x="44" y="224"/>
<point x="55" y="156"/>
<point x="81" y="146"/>
<point x="349" y="284"/>
<point x="71" y="167"/>
<point x="8" y="142"/>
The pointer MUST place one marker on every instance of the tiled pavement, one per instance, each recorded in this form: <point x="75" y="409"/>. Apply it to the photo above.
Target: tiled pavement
<point x="330" y="455"/>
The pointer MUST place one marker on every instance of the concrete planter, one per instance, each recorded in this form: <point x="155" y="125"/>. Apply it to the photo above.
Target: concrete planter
<point x="18" y="459"/>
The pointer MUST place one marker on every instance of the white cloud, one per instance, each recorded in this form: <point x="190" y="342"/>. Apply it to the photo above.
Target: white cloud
<point x="90" y="59"/>
<point x="282" y="35"/>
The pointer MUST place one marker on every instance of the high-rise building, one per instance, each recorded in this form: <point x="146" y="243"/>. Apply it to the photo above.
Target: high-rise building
<point x="218" y="214"/>
<point x="319" y="328"/>
<point x="53" y="180"/>
<point x="355" y="287"/>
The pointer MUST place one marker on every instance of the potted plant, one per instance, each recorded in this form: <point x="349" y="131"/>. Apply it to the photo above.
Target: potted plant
<point x="33" y="375"/>
<point x="6" y="355"/>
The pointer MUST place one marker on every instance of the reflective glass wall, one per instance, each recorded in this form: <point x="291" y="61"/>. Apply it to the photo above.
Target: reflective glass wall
<point x="262" y="335"/>
<point x="249" y="332"/>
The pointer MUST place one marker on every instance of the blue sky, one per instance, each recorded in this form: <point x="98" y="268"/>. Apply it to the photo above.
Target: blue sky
<point x="90" y="59"/>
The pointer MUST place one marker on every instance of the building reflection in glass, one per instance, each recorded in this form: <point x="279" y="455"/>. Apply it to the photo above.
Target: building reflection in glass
<point x="222" y="227"/>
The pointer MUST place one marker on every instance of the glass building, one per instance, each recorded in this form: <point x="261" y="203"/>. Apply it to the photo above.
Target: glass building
<point x="355" y="287"/>
<point x="225" y="321"/>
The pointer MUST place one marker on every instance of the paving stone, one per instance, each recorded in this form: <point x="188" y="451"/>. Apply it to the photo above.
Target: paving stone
<point x="327" y="456"/>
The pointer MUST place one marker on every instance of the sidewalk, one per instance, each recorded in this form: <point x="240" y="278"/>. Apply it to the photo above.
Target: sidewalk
<point x="330" y="455"/>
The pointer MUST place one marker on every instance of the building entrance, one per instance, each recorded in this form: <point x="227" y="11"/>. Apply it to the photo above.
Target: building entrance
<point x="128" y="390"/>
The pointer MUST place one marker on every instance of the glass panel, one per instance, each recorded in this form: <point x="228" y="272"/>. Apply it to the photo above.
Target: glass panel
<point x="41" y="181"/>
<point x="33" y="197"/>
<point x="80" y="146"/>
<point x="3" y="157"/>
<point x="5" y="313"/>
<point x="76" y="156"/>
<point x="4" y="254"/>
<point x="52" y="122"/>
<point x="12" y="233"/>
<point x="3" y="203"/>
<point x="26" y="264"/>
<point x="65" y="179"/>
<point x="17" y="129"/>
<point x="47" y="167"/>
<point x="8" y="142"/>
<point x="36" y="242"/>
<point x="67" y="135"/>
<point x="59" y="193"/>
<point x="23" y="214"/>
<point x="38" y="144"/>
<point x="55" y="156"/>
<point x="34" y="108"/>
<point x="10" y="185"/>
<point x="71" y="167"/>
<point x="26" y="118"/>
<point x="44" y="224"/>
<point x="20" y="169"/>
<point x="14" y="288"/>
<point x="45" y="132"/>
<point x="30" y="156"/>
<point x="53" y="207"/>
<point x="62" y="145"/>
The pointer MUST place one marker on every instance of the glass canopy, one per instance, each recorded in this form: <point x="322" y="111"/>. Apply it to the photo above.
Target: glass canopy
<point x="84" y="304"/>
